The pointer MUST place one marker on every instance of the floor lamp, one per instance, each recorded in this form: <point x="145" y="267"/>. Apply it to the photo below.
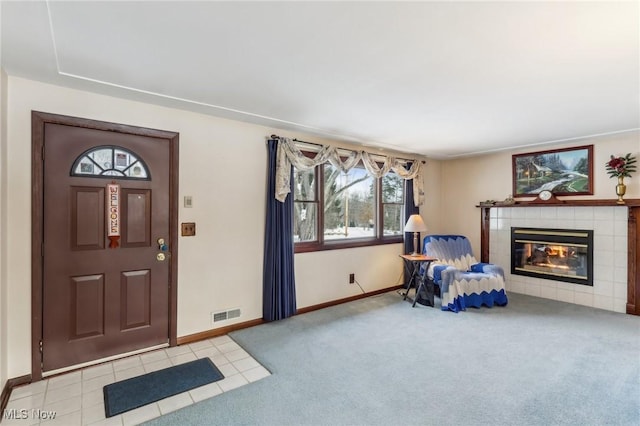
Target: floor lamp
<point x="416" y="225"/>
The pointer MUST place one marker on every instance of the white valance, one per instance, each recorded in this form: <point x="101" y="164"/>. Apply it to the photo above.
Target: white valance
<point x="289" y="154"/>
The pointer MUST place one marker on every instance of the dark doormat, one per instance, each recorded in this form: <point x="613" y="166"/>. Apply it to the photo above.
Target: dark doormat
<point x="137" y="391"/>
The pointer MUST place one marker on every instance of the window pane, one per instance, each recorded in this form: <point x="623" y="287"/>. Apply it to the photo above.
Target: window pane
<point x="393" y="219"/>
<point x="102" y="157"/>
<point x="392" y="188"/>
<point x="349" y="204"/>
<point x="305" y="220"/>
<point x="109" y="161"/>
<point x="304" y="185"/>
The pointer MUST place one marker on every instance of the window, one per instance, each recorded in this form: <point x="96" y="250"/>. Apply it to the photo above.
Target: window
<point x="349" y="204"/>
<point x="305" y="206"/>
<point x="392" y="204"/>
<point x="110" y="162"/>
<point x="338" y="210"/>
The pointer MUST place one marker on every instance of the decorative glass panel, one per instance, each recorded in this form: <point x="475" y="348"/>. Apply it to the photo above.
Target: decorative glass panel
<point x="109" y="162"/>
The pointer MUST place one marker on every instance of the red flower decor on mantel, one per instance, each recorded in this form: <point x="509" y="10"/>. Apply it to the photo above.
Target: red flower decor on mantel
<point x="621" y="166"/>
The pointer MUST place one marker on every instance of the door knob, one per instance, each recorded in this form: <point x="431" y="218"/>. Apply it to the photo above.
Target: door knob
<point x="160" y="257"/>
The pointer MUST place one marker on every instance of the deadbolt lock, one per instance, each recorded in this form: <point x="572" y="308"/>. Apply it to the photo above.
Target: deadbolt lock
<point x="161" y="245"/>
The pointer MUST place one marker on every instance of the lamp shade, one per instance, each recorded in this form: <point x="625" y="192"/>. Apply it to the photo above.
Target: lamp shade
<point x="415" y="224"/>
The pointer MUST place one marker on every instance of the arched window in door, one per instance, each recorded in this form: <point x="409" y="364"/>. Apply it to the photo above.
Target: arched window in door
<point x="108" y="162"/>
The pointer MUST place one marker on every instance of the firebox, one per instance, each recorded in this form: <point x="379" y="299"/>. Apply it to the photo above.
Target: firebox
<point x="553" y="254"/>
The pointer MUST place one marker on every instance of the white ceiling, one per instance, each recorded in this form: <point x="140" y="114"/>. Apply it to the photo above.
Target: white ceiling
<point x="443" y="79"/>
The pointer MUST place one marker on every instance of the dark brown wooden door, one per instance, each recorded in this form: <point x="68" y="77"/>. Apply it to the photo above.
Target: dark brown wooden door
<point x="100" y="301"/>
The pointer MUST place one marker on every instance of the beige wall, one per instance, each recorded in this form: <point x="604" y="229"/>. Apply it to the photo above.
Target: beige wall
<point x="431" y="211"/>
<point x="3" y="227"/>
<point x="218" y="269"/>
<point x="467" y="181"/>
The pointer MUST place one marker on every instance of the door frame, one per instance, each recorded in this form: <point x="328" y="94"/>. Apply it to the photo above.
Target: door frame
<point x="38" y="122"/>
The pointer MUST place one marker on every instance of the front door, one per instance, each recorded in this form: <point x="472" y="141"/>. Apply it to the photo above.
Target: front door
<point x="107" y="241"/>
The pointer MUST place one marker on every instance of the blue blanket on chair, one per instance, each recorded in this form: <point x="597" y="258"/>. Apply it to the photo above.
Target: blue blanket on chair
<point x="462" y="280"/>
<point x="461" y="289"/>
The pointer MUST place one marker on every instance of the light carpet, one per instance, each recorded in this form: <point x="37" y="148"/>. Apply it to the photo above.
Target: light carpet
<point x="377" y="361"/>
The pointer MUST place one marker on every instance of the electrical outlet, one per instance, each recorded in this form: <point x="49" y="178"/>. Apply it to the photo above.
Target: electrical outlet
<point x="352" y="278"/>
<point x="188" y="229"/>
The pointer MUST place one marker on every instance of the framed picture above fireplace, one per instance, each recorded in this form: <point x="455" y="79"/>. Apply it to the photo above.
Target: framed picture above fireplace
<point x="566" y="171"/>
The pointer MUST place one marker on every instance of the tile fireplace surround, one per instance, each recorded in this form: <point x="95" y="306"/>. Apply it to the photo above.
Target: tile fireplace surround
<point x="610" y="262"/>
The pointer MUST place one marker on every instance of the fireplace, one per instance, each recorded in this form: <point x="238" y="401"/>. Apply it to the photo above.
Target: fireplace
<point x="553" y="254"/>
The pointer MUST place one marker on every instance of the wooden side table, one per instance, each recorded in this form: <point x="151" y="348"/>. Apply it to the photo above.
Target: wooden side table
<point x="423" y="282"/>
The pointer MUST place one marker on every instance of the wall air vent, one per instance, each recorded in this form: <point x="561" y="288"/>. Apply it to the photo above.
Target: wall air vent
<point x="225" y="315"/>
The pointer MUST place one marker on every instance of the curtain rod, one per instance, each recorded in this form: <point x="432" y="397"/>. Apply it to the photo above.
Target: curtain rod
<point x="346" y="149"/>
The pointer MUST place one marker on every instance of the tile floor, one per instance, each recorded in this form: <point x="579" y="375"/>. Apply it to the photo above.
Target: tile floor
<point x="76" y="397"/>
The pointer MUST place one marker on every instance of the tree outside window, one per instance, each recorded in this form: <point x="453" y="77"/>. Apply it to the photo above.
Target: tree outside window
<point x="305" y="205"/>
<point x="349" y="206"/>
<point x="392" y="204"/>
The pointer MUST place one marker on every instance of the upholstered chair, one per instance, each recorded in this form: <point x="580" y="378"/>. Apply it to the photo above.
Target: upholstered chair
<point x="461" y="279"/>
